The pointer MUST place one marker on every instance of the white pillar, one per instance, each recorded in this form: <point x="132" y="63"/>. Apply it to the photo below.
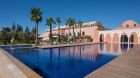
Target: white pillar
<point x="119" y="39"/>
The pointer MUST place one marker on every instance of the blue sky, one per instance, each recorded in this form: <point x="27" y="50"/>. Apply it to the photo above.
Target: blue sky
<point x="112" y="13"/>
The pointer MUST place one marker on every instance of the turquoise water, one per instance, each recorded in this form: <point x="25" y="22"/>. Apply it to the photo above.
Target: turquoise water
<point x="66" y="62"/>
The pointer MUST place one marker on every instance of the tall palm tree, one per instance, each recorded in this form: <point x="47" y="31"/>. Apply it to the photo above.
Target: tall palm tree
<point x="49" y="22"/>
<point x="36" y="16"/>
<point x="80" y="24"/>
<point x="71" y="22"/>
<point x="58" y="20"/>
<point x="67" y="24"/>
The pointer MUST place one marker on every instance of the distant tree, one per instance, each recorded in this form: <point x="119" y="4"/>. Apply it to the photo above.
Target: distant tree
<point x="36" y="16"/>
<point x="6" y="29"/>
<point x="14" y="27"/>
<point x="58" y="20"/>
<point x="71" y="23"/>
<point x="16" y="32"/>
<point x="27" y="30"/>
<point x="6" y="35"/>
<point x="80" y="24"/>
<point x="49" y="22"/>
<point x="19" y="28"/>
<point x="33" y="30"/>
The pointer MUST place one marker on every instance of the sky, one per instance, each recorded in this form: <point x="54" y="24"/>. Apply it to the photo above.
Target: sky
<point x="111" y="13"/>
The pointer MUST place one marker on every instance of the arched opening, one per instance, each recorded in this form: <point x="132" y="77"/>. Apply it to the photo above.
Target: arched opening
<point x="133" y="38"/>
<point x="116" y="38"/>
<point x="101" y="38"/>
<point x="78" y="34"/>
<point x="124" y="38"/>
<point x="83" y="33"/>
<point x="124" y="41"/>
<point x="108" y="38"/>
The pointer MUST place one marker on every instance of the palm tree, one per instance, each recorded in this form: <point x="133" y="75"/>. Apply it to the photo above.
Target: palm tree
<point x="49" y="22"/>
<point x="36" y="16"/>
<point x="80" y="24"/>
<point x="71" y="22"/>
<point x="58" y="20"/>
<point x="67" y="24"/>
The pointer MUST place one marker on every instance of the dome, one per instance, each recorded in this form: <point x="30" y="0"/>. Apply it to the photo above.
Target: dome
<point x="129" y="24"/>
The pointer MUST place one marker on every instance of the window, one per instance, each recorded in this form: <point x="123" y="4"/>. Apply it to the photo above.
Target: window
<point x="127" y="25"/>
<point x="78" y="34"/>
<point x="121" y="26"/>
<point x="83" y="33"/>
<point x="134" y="25"/>
<point x="69" y="34"/>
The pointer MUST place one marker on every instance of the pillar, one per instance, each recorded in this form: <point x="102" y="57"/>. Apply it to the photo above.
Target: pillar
<point x="119" y="39"/>
<point x="104" y="38"/>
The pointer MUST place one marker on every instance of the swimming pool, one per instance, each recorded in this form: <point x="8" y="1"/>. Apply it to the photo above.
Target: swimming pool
<point x="66" y="62"/>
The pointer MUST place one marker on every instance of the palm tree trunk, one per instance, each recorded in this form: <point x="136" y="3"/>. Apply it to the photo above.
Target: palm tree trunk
<point x="59" y="33"/>
<point x="36" y="41"/>
<point x="69" y="34"/>
<point x="51" y="34"/>
<point x="73" y="35"/>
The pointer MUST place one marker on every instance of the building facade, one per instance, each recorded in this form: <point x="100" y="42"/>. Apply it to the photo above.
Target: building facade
<point x="128" y="32"/>
<point x="86" y="30"/>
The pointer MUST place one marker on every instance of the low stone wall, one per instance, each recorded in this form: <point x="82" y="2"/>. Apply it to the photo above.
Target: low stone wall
<point x="63" y="45"/>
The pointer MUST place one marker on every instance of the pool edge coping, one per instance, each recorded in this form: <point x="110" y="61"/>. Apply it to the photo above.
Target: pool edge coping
<point x="29" y="73"/>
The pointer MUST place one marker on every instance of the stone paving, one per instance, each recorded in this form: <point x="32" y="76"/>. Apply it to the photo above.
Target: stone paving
<point x="8" y="69"/>
<point x="124" y="66"/>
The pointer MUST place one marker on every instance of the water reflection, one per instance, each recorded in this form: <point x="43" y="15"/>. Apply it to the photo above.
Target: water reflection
<point x="76" y="61"/>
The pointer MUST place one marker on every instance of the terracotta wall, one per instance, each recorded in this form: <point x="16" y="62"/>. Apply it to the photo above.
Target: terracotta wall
<point x="135" y="37"/>
<point x="116" y="38"/>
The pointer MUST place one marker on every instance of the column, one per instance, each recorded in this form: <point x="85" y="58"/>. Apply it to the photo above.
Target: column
<point x="119" y="40"/>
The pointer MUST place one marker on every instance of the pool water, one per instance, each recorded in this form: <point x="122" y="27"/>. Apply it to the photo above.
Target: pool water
<point x="66" y="62"/>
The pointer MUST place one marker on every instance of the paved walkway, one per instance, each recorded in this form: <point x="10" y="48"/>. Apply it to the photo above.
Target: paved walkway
<point x="63" y="45"/>
<point x="12" y="68"/>
<point x="124" y="66"/>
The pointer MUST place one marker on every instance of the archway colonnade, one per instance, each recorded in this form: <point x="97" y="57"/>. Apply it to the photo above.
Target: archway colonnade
<point x="120" y="36"/>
